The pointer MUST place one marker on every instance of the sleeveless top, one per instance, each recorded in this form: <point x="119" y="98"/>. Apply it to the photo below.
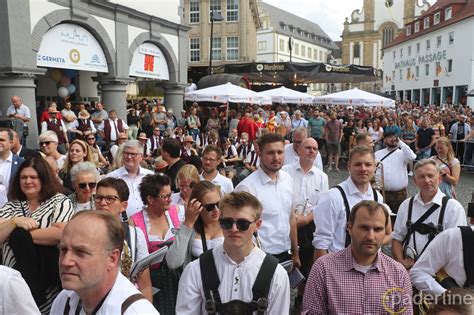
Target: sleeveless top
<point x="153" y="243"/>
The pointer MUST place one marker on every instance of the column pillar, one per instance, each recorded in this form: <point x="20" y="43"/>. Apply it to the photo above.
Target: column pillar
<point x="174" y="97"/>
<point x="22" y="85"/>
<point x="114" y="94"/>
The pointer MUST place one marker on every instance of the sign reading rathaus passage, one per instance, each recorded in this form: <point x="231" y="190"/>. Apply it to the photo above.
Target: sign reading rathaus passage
<point x="70" y="46"/>
<point x="148" y="62"/>
<point x="428" y="58"/>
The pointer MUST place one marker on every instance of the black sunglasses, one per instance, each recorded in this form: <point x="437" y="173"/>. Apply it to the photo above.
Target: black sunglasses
<point x="228" y="223"/>
<point x="45" y="142"/>
<point x="210" y="207"/>
<point x="90" y="138"/>
<point x="84" y="185"/>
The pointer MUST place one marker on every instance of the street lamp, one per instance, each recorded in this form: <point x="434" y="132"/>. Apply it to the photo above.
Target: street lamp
<point x="215" y="17"/>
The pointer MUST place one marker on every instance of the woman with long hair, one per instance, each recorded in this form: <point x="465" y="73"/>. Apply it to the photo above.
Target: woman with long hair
<point x="31" y="224"/>
<point x="186" y="178"/>
<point x="78" y="151"/>
<point x="450" y="166"/>
<point x="200" y="230"/>
<point x="376" y="132"/>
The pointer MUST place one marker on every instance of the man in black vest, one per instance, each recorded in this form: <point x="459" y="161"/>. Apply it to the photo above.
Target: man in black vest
<point x="236" y="275"/>
<point x="58" y="126"/>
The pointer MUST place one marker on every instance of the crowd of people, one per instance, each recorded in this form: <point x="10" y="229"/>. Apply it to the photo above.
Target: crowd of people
<point x="236" y="194"/>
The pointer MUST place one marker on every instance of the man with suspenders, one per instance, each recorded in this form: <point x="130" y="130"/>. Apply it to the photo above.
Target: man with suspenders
<point x="451" y="251"/>
<point x="235" y="277"/>
<point x="332" y="211"/>
<point x="423" y="216"/>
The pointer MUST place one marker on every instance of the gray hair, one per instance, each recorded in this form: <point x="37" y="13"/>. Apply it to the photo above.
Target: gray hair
<point x="84" y="167"/>
<point x="133" y="144"/>
<point x="301" y="131"/>
<point x="48" y="135"/>
<point x="424" y="162"/>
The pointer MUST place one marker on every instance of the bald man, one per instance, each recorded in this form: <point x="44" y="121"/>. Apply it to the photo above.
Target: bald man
<point x="309" y="183"/>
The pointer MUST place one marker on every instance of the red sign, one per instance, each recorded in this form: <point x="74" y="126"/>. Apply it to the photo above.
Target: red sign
<point x="149" y="63"/>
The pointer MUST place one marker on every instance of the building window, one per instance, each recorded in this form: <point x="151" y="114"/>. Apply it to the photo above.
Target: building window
<point x="356" y="52"/>
<point x="214" y="5"/>
<point x="309" y="52"/>
<point x="232" y="48"/>
<point x="448" y="13"/>
<point x="297" y="49"/>
<point x="417" y="71"/>
<point x="194" y="49"/>
<point x="321" y="56"/>
<point x="262" y="45"/>
<point x="417" y="27"/>
<point x="194" y="11"/>
<point x="438" y="42"/>
<point x="393" y="75"/>
<point x="408" y="30"/>
<point x="437" y="18"/>
<point x="394" y="54"/>
<point x="450" y="65"/>
<point x="451" y="38"/>
<point x="409" y="50"/>
<point x="303" y="51"/>
<point x="387" y="36"/>
<point x="427" y="69"/>
<point x="282" y="44"/>
<point x="417" y="48"/>
<point x="400" y="74"/>
<point x="315" y="54"/>
<point x="401" y="52"/>
<point x="426" y="23"/>
<point x="232" y="10"/>
<point x="428" y="44"/>
<point x="216" y="48"/>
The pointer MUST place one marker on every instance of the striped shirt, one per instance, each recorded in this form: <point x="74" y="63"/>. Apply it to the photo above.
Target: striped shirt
<point x="338" y="285"/>
<point x="56" y="209"/>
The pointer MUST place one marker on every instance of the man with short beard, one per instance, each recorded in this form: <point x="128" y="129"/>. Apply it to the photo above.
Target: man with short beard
<point x="211" y="158"/>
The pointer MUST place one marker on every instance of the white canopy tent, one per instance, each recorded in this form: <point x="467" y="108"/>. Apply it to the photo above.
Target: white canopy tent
<point x="284" y="95"/>
<point x="354" y="97"/>
<point x="227" y="93"/>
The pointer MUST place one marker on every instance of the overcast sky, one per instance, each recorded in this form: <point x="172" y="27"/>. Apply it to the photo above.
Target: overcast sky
<point x="328" y="14"/>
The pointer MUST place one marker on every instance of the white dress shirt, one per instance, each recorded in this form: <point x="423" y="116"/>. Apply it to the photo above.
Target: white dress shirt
<point x="67" y="112"/>
<point x="44" y="126"/>
<point x="445" y="251"/>
<point x="292" y="157"/>
<point x="308" y="187"/>
<point x="277" y="201"/>
<point x="454" y="216"/>
<point x="75" y="125"/>
<point x="6" y="167"/>
<point x="15" y="295"/>
<point x="223" y="182"/>
<point x="236" y="282"/>
<point x="395" y="166"/>
<point x="23" y="110"/>
<point x="330" y="215"/>
<point x="135" y="203"/>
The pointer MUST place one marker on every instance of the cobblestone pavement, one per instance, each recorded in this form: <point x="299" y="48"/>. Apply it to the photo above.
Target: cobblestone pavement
<point x="464" y="189"/>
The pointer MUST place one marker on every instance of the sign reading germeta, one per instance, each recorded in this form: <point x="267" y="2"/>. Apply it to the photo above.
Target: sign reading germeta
<point x="428" y="58"/>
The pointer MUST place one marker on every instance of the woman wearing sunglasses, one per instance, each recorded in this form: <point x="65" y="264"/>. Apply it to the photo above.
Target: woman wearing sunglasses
<point x="158" y="221"/>
<point x="84" y="177"/>
<point x="200" y="230"/>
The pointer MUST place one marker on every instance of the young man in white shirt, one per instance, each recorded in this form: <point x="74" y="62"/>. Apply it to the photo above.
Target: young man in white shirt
<point x="211" y="158"/>
<point x="236" y="266"/>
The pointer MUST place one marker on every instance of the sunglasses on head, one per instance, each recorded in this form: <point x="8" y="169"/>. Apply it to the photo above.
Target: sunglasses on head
<point x="89" y="185"/>
<point x="211" y="206"/>
<point x="228" y="223"/>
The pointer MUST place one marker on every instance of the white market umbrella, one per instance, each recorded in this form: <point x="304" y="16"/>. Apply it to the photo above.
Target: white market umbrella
<point x="284" y="95"/>
<point x="227" y="93"/>
<point x="354" y="97"/>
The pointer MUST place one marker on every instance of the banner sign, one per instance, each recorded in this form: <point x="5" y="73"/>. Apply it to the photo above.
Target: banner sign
<point x="149" y="62"/>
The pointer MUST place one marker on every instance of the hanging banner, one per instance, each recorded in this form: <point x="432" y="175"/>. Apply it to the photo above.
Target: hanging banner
<point x="70" y="46"/>
<point x="149" y="62"/>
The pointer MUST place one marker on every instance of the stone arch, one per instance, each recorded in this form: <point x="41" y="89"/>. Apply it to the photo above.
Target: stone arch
<point x="164" y="45"/>
<point x="90" y="23"/>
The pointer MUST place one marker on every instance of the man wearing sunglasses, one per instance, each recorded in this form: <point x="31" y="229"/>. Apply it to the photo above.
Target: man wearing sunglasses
<point x="232" y="274"/>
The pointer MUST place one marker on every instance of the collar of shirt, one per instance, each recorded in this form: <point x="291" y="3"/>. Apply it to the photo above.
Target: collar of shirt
<point x="349" y="262"/>
<point x="124" y="172"/>
<point x="265" y="179"/>
<point x="311" y="170"/>
<point x="220" y="249"/>
<point x="437" y="199"/>
<point x="9" y="158"/>
<point x="354" y="190"/>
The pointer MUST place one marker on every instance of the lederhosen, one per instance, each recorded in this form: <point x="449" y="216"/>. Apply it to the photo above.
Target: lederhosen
<point x="153" y="146"/>
<point x="467" y="235"/>
<point x="394" y="198"/>
<point x="83" y="126"/>
<point x="348" y="208"/>
<point x="423" y="228"/>
<point x="125" y="305"/>
<point x="260" y="289"/>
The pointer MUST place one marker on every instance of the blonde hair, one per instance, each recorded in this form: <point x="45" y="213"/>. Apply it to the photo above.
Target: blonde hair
<point x="187" y="171"/>
<point x="85" y="147"/>
<point x="445" y="141"/>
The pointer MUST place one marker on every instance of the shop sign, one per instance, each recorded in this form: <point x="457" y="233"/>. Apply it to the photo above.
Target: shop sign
<point x="149" y="62"/>
<point x="428" y="58"/>
<point x="70" y="46"/>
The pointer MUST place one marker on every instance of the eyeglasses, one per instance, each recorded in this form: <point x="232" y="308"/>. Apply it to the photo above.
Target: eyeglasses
<point x="205" y="159"/>
<point x="108" y="199"/>
<point x="167" y="196"/>
<point x="87" y="185"/>
<point x="228" y="223"/>
<point x="90" y="138"/>
<point x="42" y="143"/>
<point x="211" y="206"/>
<point x="131" y="154"/>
